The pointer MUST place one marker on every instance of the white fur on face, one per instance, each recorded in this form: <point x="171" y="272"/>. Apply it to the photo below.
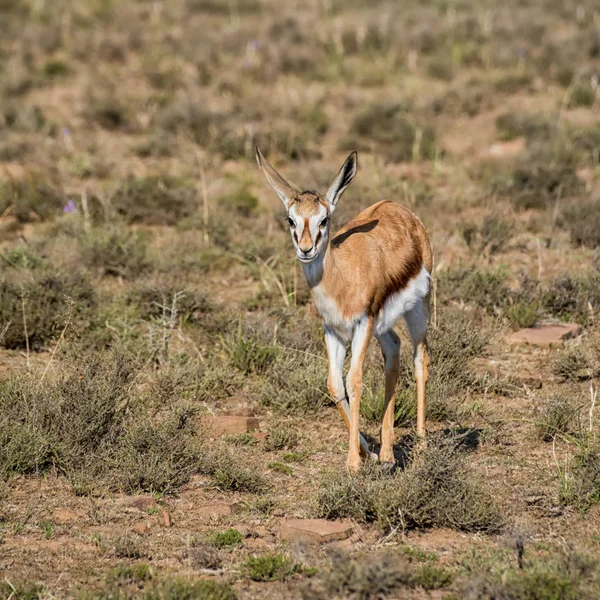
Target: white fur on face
<point x="314" y="228"/>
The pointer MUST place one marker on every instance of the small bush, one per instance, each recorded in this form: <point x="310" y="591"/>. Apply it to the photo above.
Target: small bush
<point x="582" y="221"/>
<point x="389" y="128"/>
<point x="556" y="416"/>
<point x="227" y="539"/>
<point x="115" y="251"/>
<point x="229" y="474"/>
<point x="126" y="545"/>
<point x="155" y="200"/>
<point x="581" y="480"/>
<point x="32" y="198"/>
<point x="269" y="567"/>
<point x="487" y="289"/>
<point x="248" y="351"/>
<point x="572" y="364"/>
<point x="582" y="94"/>
<point x="27" y="591"/>
<point x="439" y="491"/>
<point x="513" y="125"/>
<point x="544" y="578"/>
<point x="46" y="296"/>
<point x="280" y="437"/>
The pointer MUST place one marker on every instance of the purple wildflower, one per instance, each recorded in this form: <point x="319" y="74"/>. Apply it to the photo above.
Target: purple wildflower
<point x="254" y="44"/>
<point x="65" y="132"/>
<point x="69" y="207"/>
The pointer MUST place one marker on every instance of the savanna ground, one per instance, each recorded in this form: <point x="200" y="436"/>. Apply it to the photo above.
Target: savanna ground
<point x="148" y="282"/>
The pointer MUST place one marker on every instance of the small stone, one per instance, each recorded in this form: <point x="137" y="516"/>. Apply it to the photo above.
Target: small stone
<point x="232" y="425"/>
<point x="547" y="336"/>
<point x="142" y="528"/>
<point x="143" y="502"/>
<point x="64" y="515"/>
<point x="260" y="435"/>
<point x="217" y="509"/>
<point x="507" y="149"/>
<point x="166" y="518"/>
<point x="314" y="530"/>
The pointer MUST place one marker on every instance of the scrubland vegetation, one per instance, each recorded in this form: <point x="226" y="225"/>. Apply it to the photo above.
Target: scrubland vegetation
<point x="147" y="284"/>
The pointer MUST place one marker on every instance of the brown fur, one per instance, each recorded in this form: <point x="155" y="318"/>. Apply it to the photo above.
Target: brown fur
<point x="381" y="250"/>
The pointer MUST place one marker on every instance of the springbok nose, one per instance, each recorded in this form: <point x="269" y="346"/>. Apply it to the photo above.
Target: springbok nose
<point x="306" y="251"/>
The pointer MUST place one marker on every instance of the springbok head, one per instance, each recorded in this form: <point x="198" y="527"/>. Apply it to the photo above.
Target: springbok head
<point x="308" y="212"/>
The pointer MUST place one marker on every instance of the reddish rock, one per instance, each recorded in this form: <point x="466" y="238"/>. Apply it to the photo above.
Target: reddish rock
<point x="314" y="530"/>
<point x="63" y="515"/>
<point x="166" y="519"/>
<point x="545" y="335"/>
<point x="260" y="435"/>
<point x="507" y="149"/>
<point x="142" y="502"/>
<point x="217" y="509"/>
<point x="142" y="528"/>
<point x="232" y="425"/>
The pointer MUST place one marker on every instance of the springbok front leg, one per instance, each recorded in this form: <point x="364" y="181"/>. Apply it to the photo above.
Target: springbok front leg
<point x="390" y="347"/>
<point x="360" y="343"/>
<point x="417" y="321"/>
<point x="336" y="353"/>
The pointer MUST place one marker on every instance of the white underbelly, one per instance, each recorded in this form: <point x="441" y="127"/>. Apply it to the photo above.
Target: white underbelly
<point x="402" y="302"/>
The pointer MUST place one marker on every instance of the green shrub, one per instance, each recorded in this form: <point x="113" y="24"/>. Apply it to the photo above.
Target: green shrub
<point x="227" y="539"/>
<point x="115" y="251"/>
<point x="555" y="416"/>
<point x="43" y="297"/>
<point x="392" y="132"/>
<point x="269" y="567"/>
<point x="438" y="491"/>
<point x="155" y="200"/>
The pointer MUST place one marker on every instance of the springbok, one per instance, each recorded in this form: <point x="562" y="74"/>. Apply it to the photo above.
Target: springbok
<point x="374" y="270"/>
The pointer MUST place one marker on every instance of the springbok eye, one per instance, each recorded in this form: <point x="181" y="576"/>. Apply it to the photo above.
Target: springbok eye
<point x="324" y="222"/>
<point x="291" y="223"/>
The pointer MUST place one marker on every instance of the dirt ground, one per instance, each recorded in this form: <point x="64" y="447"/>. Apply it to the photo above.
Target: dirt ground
<point x="149" y="291"/>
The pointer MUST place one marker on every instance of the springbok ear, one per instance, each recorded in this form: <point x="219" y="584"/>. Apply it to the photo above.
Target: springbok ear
<point x="284" y="190"/>
<point x="342" y="180"/>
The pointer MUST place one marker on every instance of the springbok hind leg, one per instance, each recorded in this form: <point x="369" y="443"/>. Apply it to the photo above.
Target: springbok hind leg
<point x="417" y="321"/>
<point x="390" y="347"/>
<point x="336" y="353"/>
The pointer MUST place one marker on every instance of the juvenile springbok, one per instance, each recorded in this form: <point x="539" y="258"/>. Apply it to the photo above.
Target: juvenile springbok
<point x="374" y="270"/>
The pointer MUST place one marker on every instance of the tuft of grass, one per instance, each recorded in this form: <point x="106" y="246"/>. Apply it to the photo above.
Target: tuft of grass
<point x="125" y="545"/>
<point x="281" y="437"/>
<point x="389" y="129"/>
<point x="582" y="221"/>
<point x="572" y="364"/>
<point x="33" y="198"/>
<point x="248" y="351"/>
<point x="562" y="577"/>
<point x="25" y="591"/>
<point x="229" y="474"/>
<point x="556" y="416"/>
<point x="134" y="573"/>
<point x="115" y="251"/>
<point x="582" y="94"/>
<point x="47" y="296"/>
<point x="155" y="200"/>
<point x="230" y="538"/>
<point x="439" y="491"/>
<point x="372" y="577"/>
<point x="280" y="468"/>
<point x="580" y="485"/>
<point x="270" y="567"/>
